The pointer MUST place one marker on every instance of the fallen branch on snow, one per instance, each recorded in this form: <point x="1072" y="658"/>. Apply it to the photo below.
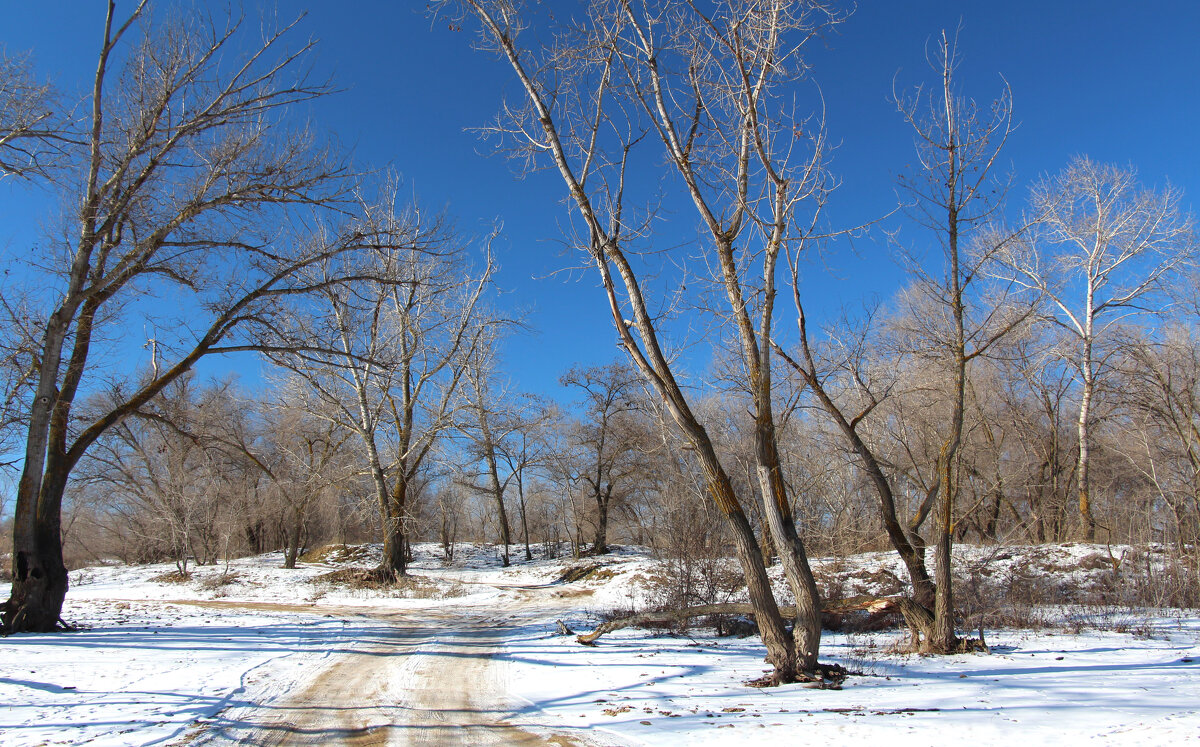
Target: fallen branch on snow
<point x="873" y="605"/>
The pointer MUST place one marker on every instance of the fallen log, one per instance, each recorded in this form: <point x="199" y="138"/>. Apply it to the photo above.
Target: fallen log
<point x="873" y="605"/>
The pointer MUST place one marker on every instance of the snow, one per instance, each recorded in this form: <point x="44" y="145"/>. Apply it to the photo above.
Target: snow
<point x="146" y="673"/>
<point x="157" y="661"/>
<point x="1046" y="688"/>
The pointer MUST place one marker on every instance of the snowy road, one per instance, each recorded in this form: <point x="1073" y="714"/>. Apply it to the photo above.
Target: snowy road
<point x="428" y="678"/>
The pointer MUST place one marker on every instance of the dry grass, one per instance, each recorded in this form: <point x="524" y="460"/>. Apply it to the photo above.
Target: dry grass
<point x="355" y="578"/>
<point x="585" y="572"/>
<point x="371" y="579"/>
<point x="335" y="554"/>
<point x="218" y="581"/>
<point x="172" y="577"/>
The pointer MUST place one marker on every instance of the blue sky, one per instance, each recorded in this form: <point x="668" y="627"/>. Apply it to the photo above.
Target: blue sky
<point x="1117" y="81"/>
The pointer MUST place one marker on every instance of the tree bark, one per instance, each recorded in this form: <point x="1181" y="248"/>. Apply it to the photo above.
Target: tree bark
<point x="524" y="517"/>
<point x="292" y="550"/>
<point x="781" y="648"/>
<point x="39" y="584"/>
<point x="807" y="629"/>
<point x="1085" y="405"/>
<point x="394" y="563"/>
<point x="603" y="499"/>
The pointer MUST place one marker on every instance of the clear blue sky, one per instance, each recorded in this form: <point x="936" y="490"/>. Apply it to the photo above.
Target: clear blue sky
<point x="1118" y="81"/>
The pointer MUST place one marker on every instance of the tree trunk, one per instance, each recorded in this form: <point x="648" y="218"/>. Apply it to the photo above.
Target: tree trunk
<point x="603" y="499"/>
<point x="781" y="650"/>
<point x="395" y="560"/>
<point x="1085" y="404"/>
<point x="39" y="583"/>
<point x="505" y="529"/>
<point x="807" y="630"/>
<point x="993" y="518"/>
<point x="292" y="548"/>
<point x="524" y="517"/>
<point x="769" y="554"/>
<point x="494" y="486"/>
<point x="943" y="640"/>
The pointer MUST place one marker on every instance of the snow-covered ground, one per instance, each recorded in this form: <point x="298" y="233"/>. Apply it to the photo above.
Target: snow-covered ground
<point x="160" y="661"/>
<point x="148" y="672"/>
<point x="1042" y="688"/>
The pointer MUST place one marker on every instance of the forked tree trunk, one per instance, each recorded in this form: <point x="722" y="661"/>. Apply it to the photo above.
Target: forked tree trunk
<point x="39" y="584"/>
<point x="605" y="248"/>
<point x="807" y="629"/>
<point x="781" y="649"/>
<point x="494" y="486"/>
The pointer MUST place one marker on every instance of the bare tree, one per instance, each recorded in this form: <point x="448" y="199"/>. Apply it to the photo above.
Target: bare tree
<point x="525" y="449"/>
<point x="34" y="132"/>
<point x="630" y="73"/>
<point x="611" y="394"/>
<point x="1161" y="388"/>
<point x="302" y="455"/>
<point x="849" y="387"/>
<point x="955" y="196"/>
<point x="486" y="401"/>
<point x="1101" y="249"/>
<point x="748" y="179"/>
<point x="186" y="180"/>
<point x="393" y="354"/>
<point x="158" y="479"/>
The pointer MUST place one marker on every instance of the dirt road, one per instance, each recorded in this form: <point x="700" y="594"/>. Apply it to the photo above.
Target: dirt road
<point x="418" y="678"/>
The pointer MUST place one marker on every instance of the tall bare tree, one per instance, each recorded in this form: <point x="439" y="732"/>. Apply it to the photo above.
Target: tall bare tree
<point x="486" y="402"/>
<point x="713" y="91"/>
<point x="956" y="196"/>
<point x="748" y="181"/>
<point x="186" y="178"/>
<point x="1101" y="249"/>
<point x="526" y="449"/>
